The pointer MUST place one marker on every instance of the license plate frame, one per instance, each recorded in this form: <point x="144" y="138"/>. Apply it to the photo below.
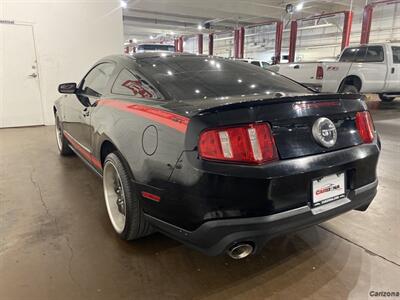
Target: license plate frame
<point x="328" y="188"/>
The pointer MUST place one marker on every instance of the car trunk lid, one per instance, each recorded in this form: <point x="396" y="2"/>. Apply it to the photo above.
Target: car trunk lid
<point x="291" y="120"/>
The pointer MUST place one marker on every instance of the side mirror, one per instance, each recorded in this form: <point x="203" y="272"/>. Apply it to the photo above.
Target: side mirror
<point x="67" y="88"/>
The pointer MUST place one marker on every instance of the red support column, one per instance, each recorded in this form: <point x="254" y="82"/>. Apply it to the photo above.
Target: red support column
<point x="180" y="44"/>
<point x="176" y="44"/>
<point x="366" y="24"/>
<point x="211" y="44"/>
<point x="278" y="41"/>
<point x="200" y="43"/>
<point x="236" y="43"/>
<point x="348" y="20"/>
<point x="292" y="42"/>
<point x="241" y="42"/>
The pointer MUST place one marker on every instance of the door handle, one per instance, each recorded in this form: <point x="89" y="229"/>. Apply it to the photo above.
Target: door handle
<point x="392" y="70"/>
<point x="33" y="75"/>
<point x="296" y="67"/>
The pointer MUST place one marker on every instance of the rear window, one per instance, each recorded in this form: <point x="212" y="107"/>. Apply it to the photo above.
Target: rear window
<point x="360" y="54"/>
<point x="189" y="77"/>
<point x="348" y="55"/>
<point x="396" y="55"/>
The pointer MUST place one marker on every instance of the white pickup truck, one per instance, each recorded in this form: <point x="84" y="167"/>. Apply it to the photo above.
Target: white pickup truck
<point x="372" y="68"/>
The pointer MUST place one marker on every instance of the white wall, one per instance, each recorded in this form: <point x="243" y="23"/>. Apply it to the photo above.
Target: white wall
<point x="70" y="36"/>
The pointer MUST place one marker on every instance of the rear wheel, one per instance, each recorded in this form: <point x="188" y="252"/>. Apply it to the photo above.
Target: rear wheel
<point x="348" y="89"/>
<point x="122" y="201"/>
<point x="385" y="98"/>
<point x="62" y="142"/>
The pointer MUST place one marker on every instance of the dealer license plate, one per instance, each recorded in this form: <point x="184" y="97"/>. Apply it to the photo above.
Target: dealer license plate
<point x="328" y="188"/>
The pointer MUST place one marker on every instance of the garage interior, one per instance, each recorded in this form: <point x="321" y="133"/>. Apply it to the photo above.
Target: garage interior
<point x="56" y="241"/>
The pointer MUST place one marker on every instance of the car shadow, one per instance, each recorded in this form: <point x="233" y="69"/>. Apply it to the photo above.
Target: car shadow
<point x="283" y="266"/>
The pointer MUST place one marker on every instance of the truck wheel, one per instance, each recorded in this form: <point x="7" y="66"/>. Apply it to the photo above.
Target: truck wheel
<point x="348" y="89"/>
<point x="386" y="98"/>
<point x="62" y="143"/>
<point x="122" y="200"/>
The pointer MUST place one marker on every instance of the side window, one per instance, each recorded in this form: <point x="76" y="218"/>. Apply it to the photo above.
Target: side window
<point x="133" y="85"/>
<point x="264" y="64"/>
<point x="256" y="63"/>
<point x="95" y="82"/>
<point x="396" y="55"/>
<point x="348" y="55"/>
<point x="360" y="55"/>
<point x="374" y="54"/>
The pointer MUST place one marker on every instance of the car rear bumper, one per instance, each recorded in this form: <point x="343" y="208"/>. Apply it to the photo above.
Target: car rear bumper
<point x="216" y="236"/>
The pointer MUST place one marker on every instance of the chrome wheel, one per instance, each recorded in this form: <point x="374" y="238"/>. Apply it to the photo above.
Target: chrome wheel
<point x="114" y="196"/>
<point x="58" y="134"/>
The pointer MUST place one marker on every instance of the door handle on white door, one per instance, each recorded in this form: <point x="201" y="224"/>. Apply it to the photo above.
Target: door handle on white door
<point x="33" y="75"/>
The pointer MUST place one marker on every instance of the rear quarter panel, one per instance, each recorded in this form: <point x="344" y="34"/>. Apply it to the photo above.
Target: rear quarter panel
<point x="334" y="73"/>
<point x="151" y="149"/>
<point x="300" y="72"/>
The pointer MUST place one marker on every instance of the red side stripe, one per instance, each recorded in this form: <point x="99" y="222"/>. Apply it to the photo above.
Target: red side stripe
<point x="83" y="151"/>
<point x="151" y="196"/>
<point x="164" y="117"/>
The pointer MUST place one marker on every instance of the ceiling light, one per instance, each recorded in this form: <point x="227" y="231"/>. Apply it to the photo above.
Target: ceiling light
<point x="123" y="4"/>
<point x="134" y="40"/>
<point x="172" y="33"/>
<point x="151" y="37"/>
<point x="199" y="27"/>
<point x="299" y="6"/>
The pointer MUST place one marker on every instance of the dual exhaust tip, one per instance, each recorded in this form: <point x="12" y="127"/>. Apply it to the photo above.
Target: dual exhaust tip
<point x="240" y="250"/>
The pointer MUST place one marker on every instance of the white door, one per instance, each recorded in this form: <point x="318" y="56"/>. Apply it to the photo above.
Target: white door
<point x="20" y="100"/>
<point x="393" y="77"/>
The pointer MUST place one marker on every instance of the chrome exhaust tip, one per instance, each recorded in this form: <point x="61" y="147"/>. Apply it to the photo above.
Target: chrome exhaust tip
<point x="240" y="250"/>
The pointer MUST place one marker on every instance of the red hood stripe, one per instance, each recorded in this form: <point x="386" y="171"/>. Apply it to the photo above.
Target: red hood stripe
<point x="161" y="116"/>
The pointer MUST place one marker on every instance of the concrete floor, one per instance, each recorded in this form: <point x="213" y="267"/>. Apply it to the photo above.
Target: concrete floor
<point x="56" y="241"/>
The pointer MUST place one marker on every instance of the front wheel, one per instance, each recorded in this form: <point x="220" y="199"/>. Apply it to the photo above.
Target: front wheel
<point x="62" y="143"/>
<point x="385" y="98"/>
<point x="122" y="200"/>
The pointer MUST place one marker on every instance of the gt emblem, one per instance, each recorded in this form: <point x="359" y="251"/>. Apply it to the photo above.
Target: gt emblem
<point x="324" y="132"/>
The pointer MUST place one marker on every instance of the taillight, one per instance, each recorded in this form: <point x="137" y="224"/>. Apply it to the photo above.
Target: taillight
<point x="248" y="144"/>
<point x="320" y="73"/>
<point x="365" y="126"/>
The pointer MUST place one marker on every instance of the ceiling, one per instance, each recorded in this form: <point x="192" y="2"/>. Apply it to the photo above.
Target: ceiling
<point x="166" y="19"/>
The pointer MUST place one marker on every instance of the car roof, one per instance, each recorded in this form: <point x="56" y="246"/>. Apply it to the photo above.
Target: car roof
<point x="130" y="57"/>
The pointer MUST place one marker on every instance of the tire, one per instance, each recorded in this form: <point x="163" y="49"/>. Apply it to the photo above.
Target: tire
<point x="348" y="89"/>
<point x="386" y="98"/>
<point x="62" y="142"/>
<point x="122" y="200"/>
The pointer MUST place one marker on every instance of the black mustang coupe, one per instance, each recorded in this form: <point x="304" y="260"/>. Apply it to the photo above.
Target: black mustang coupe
<point x="218" y="154"/>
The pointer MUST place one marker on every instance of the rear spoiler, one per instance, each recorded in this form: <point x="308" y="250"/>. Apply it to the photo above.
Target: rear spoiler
<point x="246" y="103"/>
